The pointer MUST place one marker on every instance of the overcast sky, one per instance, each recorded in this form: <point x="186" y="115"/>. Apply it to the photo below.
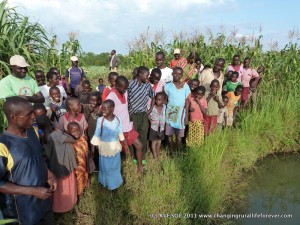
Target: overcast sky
<point x="103" y="25"/>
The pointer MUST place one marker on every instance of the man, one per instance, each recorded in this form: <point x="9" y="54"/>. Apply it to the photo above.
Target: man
<point x="25" y="182"/>
<point x="178" y="60"/>
<point x="19" y="84"/>
<point x="74" y="74"/>
<point x="208" y="75"/>
<point x="113" y="61"/>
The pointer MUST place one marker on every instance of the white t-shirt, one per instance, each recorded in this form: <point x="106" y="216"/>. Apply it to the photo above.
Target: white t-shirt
<point x="166" y="74"/>
<point x="45" y="91"/>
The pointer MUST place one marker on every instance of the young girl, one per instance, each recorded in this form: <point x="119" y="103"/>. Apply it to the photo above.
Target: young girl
<point x="157" y="123"/>
<point x="197" y="106"/>
<point x="233" y="103"/>
<point x="57" y="106"/>
<point x="112" y="76"/>
<point x="156" y="83"/>
<point x="233" y="83"/>
<point x="84" y="94"/>
<point x="107" y="137"/>
<point x="214" y="102"/>
<point x="223" y="113"/>
<point x="176" y="118"/>
<point x="236" y="66"/>
<point x="72" y="115"/>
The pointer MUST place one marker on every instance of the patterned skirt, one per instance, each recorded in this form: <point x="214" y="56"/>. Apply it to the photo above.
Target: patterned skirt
<point x="195" y="136"/>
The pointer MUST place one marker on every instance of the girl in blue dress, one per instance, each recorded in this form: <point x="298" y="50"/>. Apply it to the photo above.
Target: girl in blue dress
<point x="108" y="137"/>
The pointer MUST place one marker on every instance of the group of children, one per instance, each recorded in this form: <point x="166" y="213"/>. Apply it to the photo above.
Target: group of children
<point x="132" y="116"/>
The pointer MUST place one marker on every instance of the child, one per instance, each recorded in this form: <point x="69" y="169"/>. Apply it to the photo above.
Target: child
<point x="199" y="68"/>
<point x="78" y="87"/>
<point x="57" y="106"/>
<point x="81" y="152"/>
<point x="119" y="97"/>
<point x="39" y="110"/>
<point x="214" y="102"/>
<point x="40" y="77"/>
<point x="233" y="83"/>
<point x="72" y="115"/>
<point x="112" y="76"/>
<point x="166" y="72"/>
<point x="233" y="102"/>
<point x="84" y="94"/>
<point x="176" y="118"/>
<point x="248" y="75"/>
<point x="223" y="113"/>
<point x="101" y="86"/>
<point x="253" y="88"/>
<point x="157" y="123"/>
<point x="156" y="83"/>
<point x="236" y="66"/>
<point x="193" y="84"/>
<point x="107" y="137"/>
<point x="62" y="163"/>
<point x="197" y="106"/>
<point x="139" y="92"/>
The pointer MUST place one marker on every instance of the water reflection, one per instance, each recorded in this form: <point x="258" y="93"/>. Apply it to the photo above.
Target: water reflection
<point x="275" y="189"/>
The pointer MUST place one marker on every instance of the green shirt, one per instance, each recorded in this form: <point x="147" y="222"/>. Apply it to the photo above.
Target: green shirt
<point x="229" y="86"/>
<point x="13" y="86"/>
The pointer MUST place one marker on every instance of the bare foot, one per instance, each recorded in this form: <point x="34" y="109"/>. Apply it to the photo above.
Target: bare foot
<point x="78" y="213"/>
<point x="140" y="169"/>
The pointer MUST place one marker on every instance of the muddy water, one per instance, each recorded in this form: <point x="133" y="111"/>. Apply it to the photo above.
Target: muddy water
<point x="274" y="191"/>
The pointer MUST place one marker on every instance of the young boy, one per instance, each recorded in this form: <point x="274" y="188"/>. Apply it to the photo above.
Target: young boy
<point x="57" y="106"/>
<point x="254" y="86"/>
<point x="84" y="94"/>
<point x="101" y="86"/>
<point x="120" y="98"/>
<point x="40" y="77"/>
<point x="112" y="76"/>
<point x="139" y="91"/>
<point x="193" y="84"/>
<point x="176" y="117"/>
<point x="233" y="103"/>
<point x="166" y="72"/>
<point x="214" y="103"/>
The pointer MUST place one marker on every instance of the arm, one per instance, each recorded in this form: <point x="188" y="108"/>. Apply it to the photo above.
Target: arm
<point x="203" y="110"/>
<point x="186" y="106"/>
<point x="36" y="98"/>
<point x="152" y="105"/>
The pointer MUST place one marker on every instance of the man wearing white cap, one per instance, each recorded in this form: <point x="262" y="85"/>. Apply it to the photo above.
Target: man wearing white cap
<point x="177" y="59"/>
<point x="18" y="83"/>
<point x="74" y="74"/>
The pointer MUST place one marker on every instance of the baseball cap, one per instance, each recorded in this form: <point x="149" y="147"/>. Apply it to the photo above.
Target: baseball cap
<point x="176" y="51"/>
<point x="18" y="60"/>
<point x="74" y="58"/>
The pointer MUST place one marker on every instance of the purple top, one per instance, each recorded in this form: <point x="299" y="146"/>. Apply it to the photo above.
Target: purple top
<point x="75" y="75"/>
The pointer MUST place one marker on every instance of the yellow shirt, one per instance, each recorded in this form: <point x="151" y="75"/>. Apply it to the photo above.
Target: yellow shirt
<point x="206" y="78"/>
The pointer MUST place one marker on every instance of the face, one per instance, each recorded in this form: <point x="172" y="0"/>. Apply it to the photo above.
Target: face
<point x="159" y="100"/>
<point x="229" y="75"/>
<point x="154" y="78"/>
<point x="86" y="88"/>
<point x="238" y="91"/>
<point x="39" y="112"/>
<point x="107" y="110"/>
<point x="74" y="131"/>
<point x="112" y="52"/>
<point x="75" y="106"/>
<point x="225" y="101"/>
<point x="144" y="76"/>
<point x="214" y="87"/>
<point x="198" y="67"/>
<point x="247" y="63"/>
<point x="219" y="65"/>
<point x="54" y="80"/>
<point x="261" y="69"/>
<point x="112" y="81"/>
<point x="234" y="78"/>
<point x="55" y="95"/>
<point x="176" y="56"/>
<point x="193" y="85"/>
<point x="40" y="79"/>
<point x="24" y="118"/>
<point x="200" y="94"/>
<point x="236" y="61"/>
<point x="159" y="60"/>
<point x="177" y="75"/>
<point x="100" y="81"/>
<point x="19" y="72"/>
<point x="94" y="101"/>
<point x="75" y="63"/>
<point x="121" y="88"/>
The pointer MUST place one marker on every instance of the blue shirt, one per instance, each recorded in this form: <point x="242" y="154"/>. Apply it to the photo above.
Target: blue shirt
<point x="75" y="74"/>
<point x="21" y="163"/>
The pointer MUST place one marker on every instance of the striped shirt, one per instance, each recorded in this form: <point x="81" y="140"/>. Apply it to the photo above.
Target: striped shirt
<point x="138" y="95"/>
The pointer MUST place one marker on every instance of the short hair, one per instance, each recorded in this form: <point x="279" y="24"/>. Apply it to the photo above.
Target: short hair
<point x="54" y="88"/>
<point x="200" y="88"/>
<point x="206" y="66"/>
<point x="114" y="51"/>
<point x="72" y="124"/>
<point x="220" y="60"/>
<point x="112" y="74"/>
<point x="38" y="106"/>
<point x="39" y="71"/>
<point x="142" y="69"/>
<point x="94" y="94"/>
<point x="195" y="80"/>
<point x="50" y="75"/>
<point x="236" y="55"/>
<point x="160" y="53"/>
<point x="11" y="105"/>
<point x="235" y="73"/>
<point x="215" y="81"/>
<point x="177" y="68"/>
<point x="87" y="82"/>
<point x="224" y="97"/>
<point x="69" y="100"/>
<point x="198" y="59"/>
<point x="163" y="94"/>
<point x="109" y="102"/>
<point x="100" y="79"/>
<point x="156" y="70"/>
<point x="53" y="69"/>
<point x="247" y="58"/>
<point x="121" y="80"/>
<point x="239" y="87"/>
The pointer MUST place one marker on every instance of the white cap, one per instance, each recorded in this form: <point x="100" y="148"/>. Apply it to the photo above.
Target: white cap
<point x="18" y="60"/>
<point x="74" y="58"/>
<point x="176" y="51"/>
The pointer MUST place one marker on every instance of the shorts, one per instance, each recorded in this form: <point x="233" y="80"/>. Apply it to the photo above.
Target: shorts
<point x="131" y="136"/>
<point x="171" y="130"/>
<point x="156" y="135"/>
<point x="245" y="94"/>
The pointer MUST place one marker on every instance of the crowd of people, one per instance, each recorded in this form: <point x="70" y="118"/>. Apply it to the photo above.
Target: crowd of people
<point x="60" y="131"/>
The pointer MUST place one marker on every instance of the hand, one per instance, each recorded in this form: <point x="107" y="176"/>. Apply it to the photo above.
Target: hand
<point x="186" y="120"/>
<point x="216" y="98"/>
<point x="148" y="112"/>
<point x="52" y="182"/>
<point x="24" y="96"/>
<point x="41" y="192"/>
<point x="53" y="108"/>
